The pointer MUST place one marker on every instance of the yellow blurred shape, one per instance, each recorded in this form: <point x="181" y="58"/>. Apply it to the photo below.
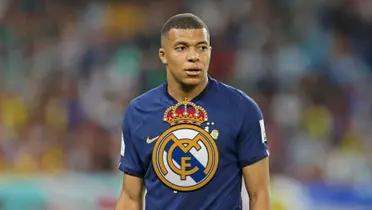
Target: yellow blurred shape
<point x="317" y="121"/>
<point x="13" y="112"/>
<point x="123" y="19"/>
<point x="26" y="163"/>
<point x="351" y="141"/>
<point x="52" y="160"/>
<point x="56" y="115"/>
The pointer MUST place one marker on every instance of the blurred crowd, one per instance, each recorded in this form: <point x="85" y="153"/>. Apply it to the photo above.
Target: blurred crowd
<point x="68" y="69"/>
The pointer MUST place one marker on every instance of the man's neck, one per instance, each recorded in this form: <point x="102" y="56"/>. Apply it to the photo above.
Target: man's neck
<point x="179" y="92"/>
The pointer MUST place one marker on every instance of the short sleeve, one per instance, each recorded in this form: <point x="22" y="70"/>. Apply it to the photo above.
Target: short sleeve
<point x="252" y="142"/>
<point x="130" y="161"/>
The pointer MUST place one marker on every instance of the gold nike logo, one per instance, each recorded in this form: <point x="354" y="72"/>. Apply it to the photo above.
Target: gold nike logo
<point x="151" y="140"/>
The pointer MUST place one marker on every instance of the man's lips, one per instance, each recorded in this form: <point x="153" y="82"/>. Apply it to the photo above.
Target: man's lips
<point x="193" y="71"/>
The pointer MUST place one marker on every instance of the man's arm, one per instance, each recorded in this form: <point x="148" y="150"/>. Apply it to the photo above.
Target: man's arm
<point x="131" y="194"/>
<point x="257" y="182"/>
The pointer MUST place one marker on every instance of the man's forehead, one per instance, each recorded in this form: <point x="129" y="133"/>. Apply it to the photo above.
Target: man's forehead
<point x="192" y="35"/>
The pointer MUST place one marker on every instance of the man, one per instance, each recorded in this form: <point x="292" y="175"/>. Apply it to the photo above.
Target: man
<point x="189" y="141"/>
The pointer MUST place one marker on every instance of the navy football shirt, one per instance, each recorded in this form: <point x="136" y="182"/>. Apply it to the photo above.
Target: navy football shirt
<point x="191" y="154"/>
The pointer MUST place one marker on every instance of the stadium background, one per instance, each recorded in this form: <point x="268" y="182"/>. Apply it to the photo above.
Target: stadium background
<point x="68" y="69"/>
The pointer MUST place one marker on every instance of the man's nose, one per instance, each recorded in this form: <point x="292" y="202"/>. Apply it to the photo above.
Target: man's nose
<point x="192" y="55"/>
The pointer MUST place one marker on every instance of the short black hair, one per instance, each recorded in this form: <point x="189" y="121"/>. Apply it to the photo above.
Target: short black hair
<point x="183" y="21"/>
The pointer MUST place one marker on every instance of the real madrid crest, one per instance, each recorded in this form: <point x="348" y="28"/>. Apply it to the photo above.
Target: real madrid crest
<point x="185" y="157"/>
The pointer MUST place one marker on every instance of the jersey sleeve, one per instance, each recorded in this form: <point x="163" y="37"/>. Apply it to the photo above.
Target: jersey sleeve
<point x="130" y="161"/>
<point x="252" y="142"/>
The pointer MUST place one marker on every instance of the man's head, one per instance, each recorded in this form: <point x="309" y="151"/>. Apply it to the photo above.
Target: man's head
<point x="185" y="49"/>
<point x="182" y="21"/>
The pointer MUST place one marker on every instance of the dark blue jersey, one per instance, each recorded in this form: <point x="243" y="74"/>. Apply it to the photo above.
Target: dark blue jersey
<point x="191" y="154"/>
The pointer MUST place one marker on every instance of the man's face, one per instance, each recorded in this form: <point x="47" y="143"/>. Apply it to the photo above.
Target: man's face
<point x="186" y="54"/>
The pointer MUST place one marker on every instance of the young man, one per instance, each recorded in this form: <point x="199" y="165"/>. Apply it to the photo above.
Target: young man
<point x="190" y="140"/>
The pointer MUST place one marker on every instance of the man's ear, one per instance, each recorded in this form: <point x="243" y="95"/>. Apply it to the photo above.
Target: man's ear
<point x="162" y="57"/>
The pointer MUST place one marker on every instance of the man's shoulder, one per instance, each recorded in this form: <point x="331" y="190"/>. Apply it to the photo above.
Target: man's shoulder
<point x="234" y="94"/>
<point x="145" y="103"/>
<point x="238" y="99"/>
<point x="149" y="97"/>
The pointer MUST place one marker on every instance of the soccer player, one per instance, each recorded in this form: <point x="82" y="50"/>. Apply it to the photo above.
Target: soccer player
<point x="190" y="141"/>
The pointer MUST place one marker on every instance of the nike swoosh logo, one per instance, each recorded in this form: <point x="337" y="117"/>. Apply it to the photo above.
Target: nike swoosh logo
<point x="151" y="140"/>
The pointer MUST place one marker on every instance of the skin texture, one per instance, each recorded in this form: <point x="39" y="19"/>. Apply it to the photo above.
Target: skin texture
<point x="257" y="183"/>
<point x="131" y="194"/>
<point x="186" y="55"/>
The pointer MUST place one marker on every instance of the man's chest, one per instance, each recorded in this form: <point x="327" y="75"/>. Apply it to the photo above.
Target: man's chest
<point x="155" y="136"/>
<point x="186" y="144"/>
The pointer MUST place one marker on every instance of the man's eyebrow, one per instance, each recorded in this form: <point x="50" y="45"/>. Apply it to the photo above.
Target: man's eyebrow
<point x="202" y="42"/>
<point x="186" y="43"/>
<point x="181" y="43"/>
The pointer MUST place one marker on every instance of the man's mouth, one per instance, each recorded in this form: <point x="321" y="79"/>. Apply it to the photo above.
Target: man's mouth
<point x="193" y="71"/>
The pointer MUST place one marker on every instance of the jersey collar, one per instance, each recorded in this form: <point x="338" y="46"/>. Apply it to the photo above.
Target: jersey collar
<point x="167" y="98"/>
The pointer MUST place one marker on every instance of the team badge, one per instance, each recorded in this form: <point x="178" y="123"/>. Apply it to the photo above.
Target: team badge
<point x="185" y="157"/>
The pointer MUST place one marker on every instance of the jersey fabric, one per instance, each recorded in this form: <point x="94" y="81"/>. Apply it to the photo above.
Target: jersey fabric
<point x="206" y="175"/>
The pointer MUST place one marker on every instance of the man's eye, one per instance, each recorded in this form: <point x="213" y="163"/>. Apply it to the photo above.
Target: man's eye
<point x="203" y="48"/>
<point x="180" y="48"/>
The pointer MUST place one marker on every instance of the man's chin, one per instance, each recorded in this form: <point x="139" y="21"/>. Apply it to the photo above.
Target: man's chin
<point x="193" y="81"/>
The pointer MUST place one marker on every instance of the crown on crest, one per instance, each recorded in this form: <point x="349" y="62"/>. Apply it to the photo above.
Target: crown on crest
<point x="185" y="112"/>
